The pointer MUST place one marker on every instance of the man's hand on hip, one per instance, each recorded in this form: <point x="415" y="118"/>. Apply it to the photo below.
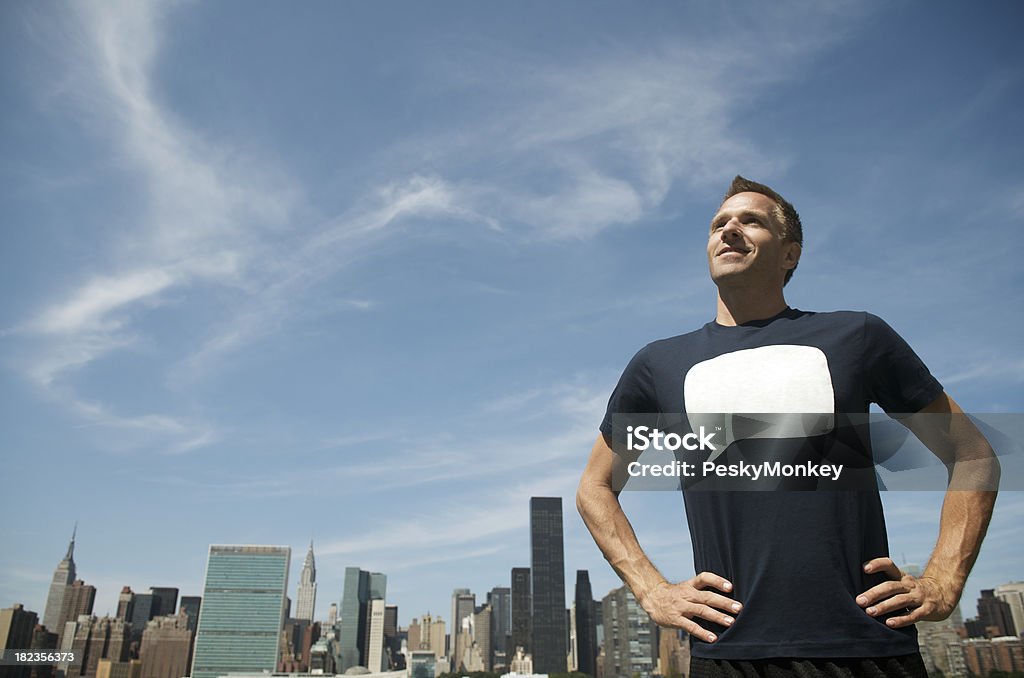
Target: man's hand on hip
<point x="677" y="605"/>
<point x="921" y="598"/>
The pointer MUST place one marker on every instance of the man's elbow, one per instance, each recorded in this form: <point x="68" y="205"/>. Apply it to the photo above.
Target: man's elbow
<point x="584" y="496"/>
<point x="978" y="469"/>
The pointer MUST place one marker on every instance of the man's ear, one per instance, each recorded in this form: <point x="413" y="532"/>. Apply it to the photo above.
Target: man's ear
<point x="791" y="255"/>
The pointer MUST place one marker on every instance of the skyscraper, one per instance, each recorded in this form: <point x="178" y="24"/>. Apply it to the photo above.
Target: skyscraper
<point x="305" y="599"/>
<point x="482" y="621"/>
<point x="190" y="607"/>
<point x="360" y="588"/>
<point x="547" y="572"/>
<point x="97" y="639"/>
<point x="520" y="598"/>
<point x="586" y="631"/>
<point x="352" y="627"/>
<point x="42" y="640"/>
<point x="17" y="626"/>
<point x="995" y="613"/>
<point x="629" y="643"/>
<point x="62" y="578"/>
<point x="392" y="641"/>
<point x="1012" y="594"/>
<point x="165" y="645"/>
<point x="144" y="608"/>
<point x="243" y="610"/>
<point x="500" y="600"/>
<point x="463" y="605"/>
<point x="427" y="633"/>
<point x="124" y="603"/>
<point x="78" y="600"/>
<point x="165" y="600"/>
<point x="375" y="636"/>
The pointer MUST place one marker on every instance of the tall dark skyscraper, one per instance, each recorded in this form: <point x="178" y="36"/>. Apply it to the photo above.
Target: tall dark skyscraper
<point x="392" y="640"/>
<point x="165" y="600"/>
<point x="500" y="600"/>
<point x="547" y="574"/>
<point x="144" y="606"/>
<point x="520" y="598"/>
<point x="16" y="629"/>
<point x="62" y="578"/>
<point x="361" y="587"/>
<point x="995" y="612"/>
<point x="190" y="606"/>
<point x="586" y="628"/>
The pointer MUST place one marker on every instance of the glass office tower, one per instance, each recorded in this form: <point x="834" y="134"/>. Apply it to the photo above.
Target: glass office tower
<point x="243" y="608"/>
<point x="547" y="573"/>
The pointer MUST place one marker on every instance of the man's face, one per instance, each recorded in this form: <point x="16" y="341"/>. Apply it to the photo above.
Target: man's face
<point x="746" y="243"/>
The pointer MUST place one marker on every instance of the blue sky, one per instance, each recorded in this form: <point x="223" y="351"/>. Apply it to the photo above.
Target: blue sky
<point x="367" y="272"/>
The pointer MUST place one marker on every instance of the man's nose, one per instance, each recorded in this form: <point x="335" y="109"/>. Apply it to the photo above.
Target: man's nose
<point x="731" y="229"/>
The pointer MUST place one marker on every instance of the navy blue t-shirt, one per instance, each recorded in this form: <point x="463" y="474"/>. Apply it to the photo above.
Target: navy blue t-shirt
<point x="795" y="558"/>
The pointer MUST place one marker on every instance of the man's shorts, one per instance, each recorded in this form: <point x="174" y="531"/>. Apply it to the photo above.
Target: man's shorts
<point x="903" y="666"/>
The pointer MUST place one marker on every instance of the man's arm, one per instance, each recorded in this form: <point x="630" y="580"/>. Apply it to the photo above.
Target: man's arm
<point x="669" y="605"/>
<point x="966" y="510"/>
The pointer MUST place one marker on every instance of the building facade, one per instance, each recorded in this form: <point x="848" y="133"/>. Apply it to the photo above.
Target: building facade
<point x="63" y="576"/>
<point x="586" y="628"/>
<point x="305" y="599"/>
<point x="1013" y="595"/>
<point x="243" y="610"/>
<point x="77" y="601"/>
<point x="520" y="611"/>
<point x="500" y="600"/>
<point x="547" y="586"/>
<point x="361" y="587"/>
<point x="629" y="637"/>
<point x="166" y="647"/>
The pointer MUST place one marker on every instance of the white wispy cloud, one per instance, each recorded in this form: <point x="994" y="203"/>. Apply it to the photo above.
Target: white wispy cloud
<point x="91" y="303"/>
<point x="194" y="226"/>
<point x="611" y="133"/>
<point x="611" y="143"/>
<point x="210" y="218"/>
<point x="450" y="524"/>
<point x="331" y="246"/>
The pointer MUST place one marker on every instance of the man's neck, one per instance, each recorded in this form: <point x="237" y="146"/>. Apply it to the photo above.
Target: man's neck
<point x="743" y="305"/>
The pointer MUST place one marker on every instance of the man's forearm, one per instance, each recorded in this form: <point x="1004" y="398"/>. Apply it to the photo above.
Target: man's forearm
<point x="967" y="508"/>
<point x="962" y="526"/>
<point x="603" y="515"/>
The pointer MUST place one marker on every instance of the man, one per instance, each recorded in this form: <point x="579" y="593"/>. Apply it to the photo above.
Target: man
<point x="796" y="583"/>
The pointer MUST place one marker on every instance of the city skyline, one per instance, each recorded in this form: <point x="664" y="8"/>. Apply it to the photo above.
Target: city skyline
<point x="246" y="622"/>
<point x="383" y="268"/>
<point x="967" y="608"/>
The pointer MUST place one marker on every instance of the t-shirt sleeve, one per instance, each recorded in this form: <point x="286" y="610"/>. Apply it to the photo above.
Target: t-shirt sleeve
<point x="899" y="381"/>
<point x="633" y="394"/>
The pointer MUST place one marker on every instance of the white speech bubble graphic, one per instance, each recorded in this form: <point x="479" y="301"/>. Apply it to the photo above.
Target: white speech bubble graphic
<point x="779" y="379"/>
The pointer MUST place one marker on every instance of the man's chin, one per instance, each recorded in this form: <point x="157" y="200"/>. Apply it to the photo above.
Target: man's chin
<point x="726" y="274"/>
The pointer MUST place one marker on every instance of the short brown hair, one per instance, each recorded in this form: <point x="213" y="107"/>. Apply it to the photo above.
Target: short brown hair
<point x="785" y="213"/>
